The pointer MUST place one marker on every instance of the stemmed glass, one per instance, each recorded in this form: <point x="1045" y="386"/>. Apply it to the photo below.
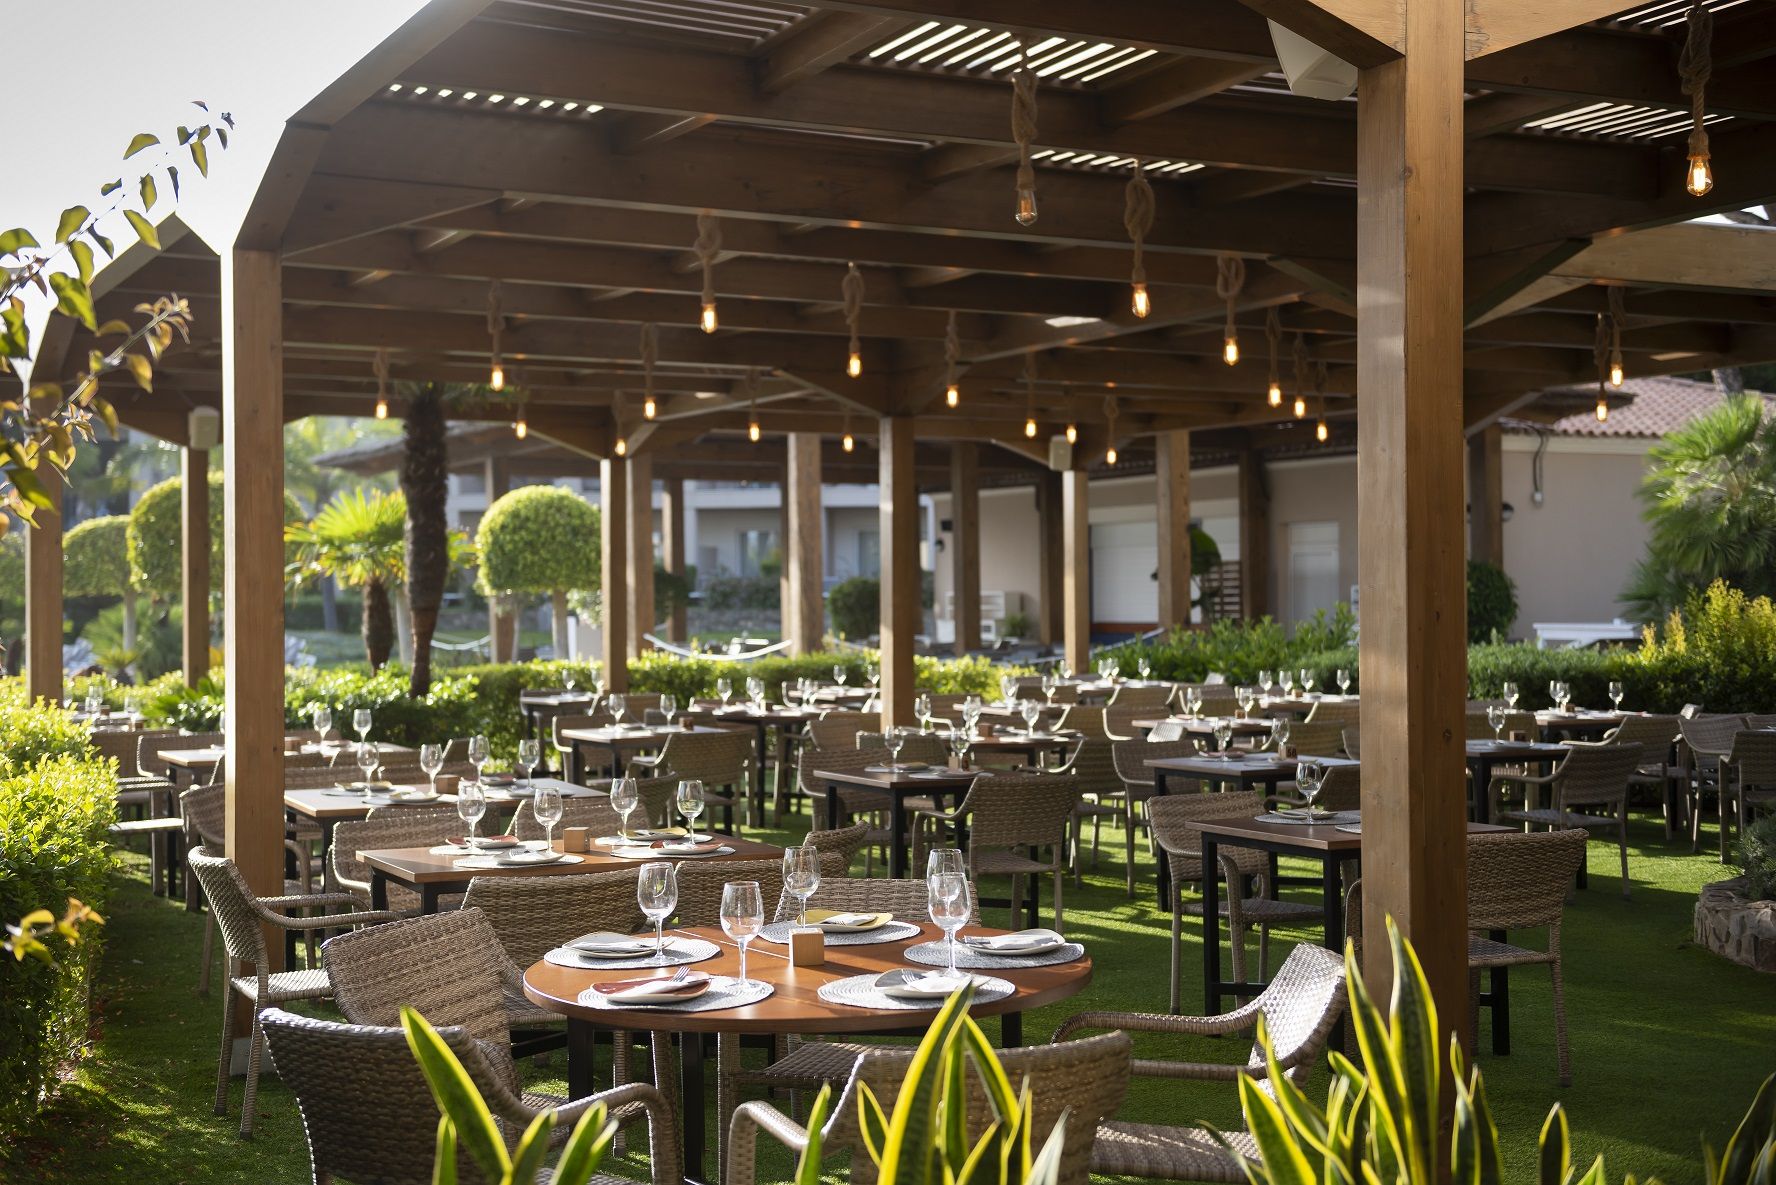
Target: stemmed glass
<point x="548" y="808"/>
<point x="598" y="686"/>
<point x="724" y="688"/>
<point x="961" y="740"/>
<point x="656" y="891"/>
<point x="1344" y="681"/>
<point x="1563" y="696"/>
<point x="1510" y="694"/>
<point x="1224" y="736"/>
<point x="619" y="704"/>
<point x="1031" y="711"/>
<point x="1193" y="702"/>
<point x="132" y="705"/>
<point x="1307" y="681"/>
<point x="874" y="673"/>
<point x="1496" y="716"/>
<point x="948" y="895"/>
<point x="431" y="760"/>
<point x="478" y="754"/>
<point x="625" y="796"/>
<point x="1310" y="775"/>
<point x="1065" y="670"/>
<point x="1049" y="684"/>
<point x="801" y="877"/>
<point x="323" y="722"/>
<point x="755" y="691"/>
<point x="690" y="805"/>
<point x="361" y="723"/>
<point x="530" y="752"/>
<point x="1287" y="679"/>
<point x="1243" y="696"/>
<point x="471" y="804"/>
<point x="669" y="708"/>
<point x="93" y="702"/>
<point x="922" y="711"/>
<point x="1279" y="735"/>
<point x="1615" y="694"/>
<point x="1265" y="680"/>
<point x="1144" y="669"/>
<point x="1110" y="669"/>
<point x="941" y="860"/>
<point x="568" y="678"/>
<point x="368" y="759"/>
<point x="1008" y="688"/>
<point x="839" y="673"/>
<point x="895" y="739"/>
<point x="743" y="916"/>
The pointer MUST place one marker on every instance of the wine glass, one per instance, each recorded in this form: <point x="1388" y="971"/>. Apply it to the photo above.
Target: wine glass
<point x="1112" y="668"/>
<point x="656" y="891"/>
<point x="361" y="723"/>
<point x="1510" y="694"/>
<point x="1008" y="688"/>
<point x="1242" y="696"/>
<point x="724" y="688"/>
<point x="368" y="758"/>
<point x="669" y="708"/>
<point x="598" y="685"/>
<point x="1193" y="701"/>
<point x="1562" y="696"/>
<point x="619" y="704"/>
<point x="471" y="804"/>
<point x="972" y="707"/>
<point x="1224" y="735"/>
<point x="1049" y="684"/>
<point x="94" y="701"/>
<point x="839" y="673"/>
<point x="755" y="691"/>
<point x="961" y="740"/>
<point x="1307" y="681"/>
<point x="132" y="705"/>
<point x="1615" y="693"/>
<point x="431" y="760"/>
<point x="568" y="678"/>
<point x="548" y="808"/>
<point x="1554" y="692"/>
<point x="1344" y="681"/>
<point x="743" y="916"/>
<point x="530" y="752"/>
<point x="1496" y="716"/>
<point x="1310" y="775"/>
<point x="1031" y="711"/>
<point x="874" y="672"/>
<point x="941" y="860"/>
<point x="1144" y="669"/>
<point x="1066" y="671"/>
<point x="948" y="895"/>
<point x="625" y="796"/>
<point x="478" y="754"/>
<point x="801" y="877"/>
<point x="690" y="805"/>
<point x="1287" y="679"/>
<point x="1279" y="734"/>
<point x="922" y="711"/>
<point x="895" y="740"/>
<point x="1265" y="680"/>
<point x="323" y="722"/>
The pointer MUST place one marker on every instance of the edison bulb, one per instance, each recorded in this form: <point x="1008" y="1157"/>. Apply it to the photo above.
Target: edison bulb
<point x="1072" y="433"/>
<point x="497" y="379"/>
<point x="854" y="364"/>
<point x="622" y="446"/>
<point x="708" y="318"/>
<point x="521" y="428"/>
<point x="1026" y="207"/>
<point x="1321" y="432"/>
<point x="952" y="395"/>
<point x="1140" y="301"/>
<point x="1700" y="178"/>
<point x="1110" y="455"/>
<point x="1602" y="409"/>
<point x="1300" y="407"/>
<point x="382" y="408"/>
<point x="752" y="431"/>
<point x="1616" y="375"/>
<point x="648" y="407"/>
<point x="848" y="443"/>
<point x="1275" y="394"/>
<point x="1030" y="427"/>
<point x="1230" y="351"/>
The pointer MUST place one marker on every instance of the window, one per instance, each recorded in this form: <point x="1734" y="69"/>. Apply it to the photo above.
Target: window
<point x="869" y="553"/>
<point x="755" y="548"/>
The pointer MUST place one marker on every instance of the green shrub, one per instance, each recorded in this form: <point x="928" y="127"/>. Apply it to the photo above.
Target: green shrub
<point x="1757" y="858"/>
<point x="1238" y="649"/>
<point x="31" y="733"/>
<point x="95" y="557"/>
<point x="1017" y="625"/>
<point x="856" y="607"/>
<point x="538" y="539"/>
<point x="156" y="536"/>
<point x="723" y="592"/>
<point x="1492" y="601"/>
<point x="1589" y="672"/>
<point x="1719" y="650"/>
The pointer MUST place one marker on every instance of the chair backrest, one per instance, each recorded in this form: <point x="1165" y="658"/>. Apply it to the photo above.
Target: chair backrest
<point x="1145" y="699"/>
<point x="637" y="702"/>
<point x="846" y="841"/>
<point x="204" y="809"/>
<point x="1710" y="736"/>
<point x="597" y="719"/>
<point x="531" y="915"/>
<point x="1340" y="712"/>
<point x="839" y="760"/>
<point x="1020" y="810"/>
<point x="1353" y="743"/>
<point x="1479" y="729"/>
<point x="592" y="811"/>
<point x="718" y="758"/>
<point x="1656" y="734"/>
<point x="1690" y="711"/>
<point x="232" y="904"/>
<point x="1300" y="1006"/>
<point x="1342" y="789"/>
<point x="125" y="747"/>
<point x="1131" y="758"/>
<point x="1085" y="1079"/>
<point x="446" y="965"/>
<point x="933" y="748"/>
<point x="1519" y="879"/>
<point x="1169" y="814"/>
<point x="1085" y="718"/>
<point x="1597" y="774"/>
<point x="1030" y="687"/>
<point x="1760" y="721"/>
<point x="838" y="730"/>
<point x="1093" y="763"/>
<point x="907" y="900"/>
<point x="1754" y="759"/>
<point x="1317" y="740"/>
<point x="148" y="744"/>
<point x="397" y="827"/>
<point x="946" y="706"/>
<point x="700" y="883"/>
<point x="1167" y="730"/>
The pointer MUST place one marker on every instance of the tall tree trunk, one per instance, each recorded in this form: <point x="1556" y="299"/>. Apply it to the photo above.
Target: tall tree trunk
<point x="329" y="605"/>
<point x="558" y="602"/>
<point x="425" y="480"/>
<point x="403" y="626"/>
<point x="379" y="624"/>
<point x="1729" y="380"/>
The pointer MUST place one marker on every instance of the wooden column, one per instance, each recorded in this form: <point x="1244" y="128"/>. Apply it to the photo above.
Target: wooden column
<point x="502" y="622"/>
<point x="43" y="594"/>
<point x="1254" y="502"/>
<point x="672" y="540"/>
<point x="785" y="598"/>
<point x="253" y="574"/>
<point x="1076" y="568"/>
<point x="194" y="578"/>
<point x="1172" y="496"/>
<point x="1409" y="483"/>
<point x="1049" y="558"/>
<point x="803" y="558"/>
<point x="965" y="564"/>
<point x="900" y="569"/>
<point x="1486" y="496"/>
<point x="613" y="554"/>
<point x="641" y="551"/>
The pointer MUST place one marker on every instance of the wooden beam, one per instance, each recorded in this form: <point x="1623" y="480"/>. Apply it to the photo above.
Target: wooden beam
<point x="900" y="569"/>
<point x="1494" y="25"/>
<point x="1685" y="255"/>
<point x="639" y="471"/>
<point x="1486" y="518"/>
<point x="253" y="572"/>
<point x="965" y="528"/>
<point x="334" y="211"/>
<point x="1511" y="282"/>
<point x="643" y="130"/>
<point x="803" y="555"/>
<point x="1254" y="534"/>
<point x="43" y="594"/>
<point x="613" y="554"/>
<point x="1076" y="568"/>
<point x="1173" y="85"/>
<point x="1171" y="476"/>
<point x="194" y="571"/>
<point x="1050" y="549"/>
<point x="1409" y="481"/>
<point x="1362" y="32"/>
<point x="819" y="40"/>
<point x="672" y="540"/>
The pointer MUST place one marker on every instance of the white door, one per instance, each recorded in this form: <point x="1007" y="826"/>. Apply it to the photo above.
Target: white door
<point x="1314" y="581"/>
<point x="1124" y="557"/>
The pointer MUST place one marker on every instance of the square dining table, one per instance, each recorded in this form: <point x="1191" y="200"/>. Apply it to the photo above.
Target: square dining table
<point x="897" y="785"/>
<point x="621" y="742"/>
<point x="329" y="807"/>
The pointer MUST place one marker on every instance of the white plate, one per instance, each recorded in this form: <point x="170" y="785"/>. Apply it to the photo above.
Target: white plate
<point x="905" y="983"/>
<point x="1034" y="942"/>
<point x="852" y="921"/>
<point x="609" y="945"/>
<point x="528" y="858"/>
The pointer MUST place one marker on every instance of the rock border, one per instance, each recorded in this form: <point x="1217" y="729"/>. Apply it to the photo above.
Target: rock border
<point x="1735" y="927"/>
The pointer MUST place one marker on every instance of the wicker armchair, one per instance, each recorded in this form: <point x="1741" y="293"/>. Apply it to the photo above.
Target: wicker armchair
<point x="1752" y="765"/>
<point x="1342" y="790"/>
<point x="1342" y="713"/>
<point x="242" y="918"/>
<point x="369" y="1115"/>
<point x="928" y="747"/>
<point x="846" y="841"/>
<point x="1517" y="882"/>
<point x="1084" y="718"/>
<point x="1084" y="1079"/>
<point x="700" y="883"/>
<point x="1596" y="778"/>
<point x="402" y="827"/>
<point x="134" y="786"/>
<point x="1004" y="815"/>
<point x="1317" y="740"/>
<point x="594" y="811"/>
<point x="1169" y="730"/>
<point x="1299" y="1009"/>
<point x="853" y="800"/>
<point x="1353" y="743"/>
<point x="150" y="744"/>
<point x="1709" y="739"/>
<point x="203" y="809"/>
<point x="723" y="761"/>
<point x="1141" y="699"/>
<point x="1093" y="764"/>
<point x="1128" y="759"/>
<point x="838" y="730"/>
<point x="1656" y="735"/>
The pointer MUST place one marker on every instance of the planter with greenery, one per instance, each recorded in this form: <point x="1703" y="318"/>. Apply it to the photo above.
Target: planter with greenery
<point x="1736" y="918"/>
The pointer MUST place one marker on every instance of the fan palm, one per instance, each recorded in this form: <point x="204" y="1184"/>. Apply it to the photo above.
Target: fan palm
<point x="358" y="540"/>
<point x="1710" y="495"/>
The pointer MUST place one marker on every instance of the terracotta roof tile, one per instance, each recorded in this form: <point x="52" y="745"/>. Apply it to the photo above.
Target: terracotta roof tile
<point x="1659" y="407"/>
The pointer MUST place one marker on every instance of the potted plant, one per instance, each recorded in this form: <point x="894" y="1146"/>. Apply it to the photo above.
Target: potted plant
<point x="1737" y="918"/>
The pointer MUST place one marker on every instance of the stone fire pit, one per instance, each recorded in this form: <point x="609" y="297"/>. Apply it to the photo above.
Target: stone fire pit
<point x="1730" y="925"/>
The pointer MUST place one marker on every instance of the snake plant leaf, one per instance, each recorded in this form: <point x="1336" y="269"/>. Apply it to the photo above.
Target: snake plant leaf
<point x="872" y="1123"/>
<point x="1555" y="1155"/>
<point x="1046" y="1168"/>
<point x="912" y="1136"/>
<point x="1387" y="1092"/>
<point x="955" y="1108"/>
<point x="1001" y="1096"/>
<point x="1413" y="1027"/>
<point x="444" y="1153"/>
<point x="1595" y="1175"/>
<point x="1492" y="1170"/>
<point x="808" y="1166"/>
<point x="973" y="1168"/>
<point x="456" y="1096"/>
<point x="1283" y="1161"/>
<point x="586" y="1147"/>
<point x="1751" y="1139"/>
<point x="1024" y="1137"/>
<point x="1306" y="1120"/>
<point x="533" y="1148"/>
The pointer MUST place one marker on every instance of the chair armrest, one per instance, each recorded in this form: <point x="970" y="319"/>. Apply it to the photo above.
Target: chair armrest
<point x="322" y="921"/>
<point x="628" y="1103"/>
<point x="304" y="900"/>
<point x="940" y="816"/>
<point x="1159" y="1022"/>
<point x="749" y="1118"/>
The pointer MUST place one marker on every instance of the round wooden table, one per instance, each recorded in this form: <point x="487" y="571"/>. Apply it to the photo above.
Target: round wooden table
<point x="793" y="1007"/>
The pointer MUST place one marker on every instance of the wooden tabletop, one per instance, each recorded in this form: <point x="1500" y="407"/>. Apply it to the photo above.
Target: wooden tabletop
<point x="554" y="699"/>
<point x="328" y="804"/>
<point x="1516" y="750"/>
<point x="795" y="1006"/>
<point x="746" y="715"/>
<point x="418" y="866"/>
<point x="1205" y="725"/>
<point x="1208" y="765"/>
<point x="1580" y="719"/>
<point x="211" y="754"/>
<point x="651" y="737"/>
<point x="1318" y="837"/>
<point x="1027" y="740"/>
<point x="903" y="780"/>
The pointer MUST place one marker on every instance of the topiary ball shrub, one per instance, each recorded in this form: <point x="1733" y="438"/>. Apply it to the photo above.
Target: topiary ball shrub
<point x="95" y="557"/>
<point x="538" y="539"/>
<point x="856" y="607"/>
<point x="1492" y="601"/>
<point x="156" y="536"/>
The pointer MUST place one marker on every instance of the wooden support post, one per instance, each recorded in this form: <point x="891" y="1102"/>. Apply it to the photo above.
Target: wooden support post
<point x="672" y="539"/>
<point x="785" y="597"/>
<point x="194" y="578"/>
<point x="1049" y="558"/>
<point x="1254" y="504"/>
<point x="965" y="543"/>
<point x="502" y="620"/>
<point x="1172" y="478"/>
<point x="1076" y="568"/>
<point x="253" y="575"/>
<point x="641" y="552"/>
<point x="613" y="543"/>
<point x="1409" y="485"/>
<point x="1486" y="496"/>
<point x="900" y="569"/>
<point x="805" y="626"/>
<point x="43" y="594"/>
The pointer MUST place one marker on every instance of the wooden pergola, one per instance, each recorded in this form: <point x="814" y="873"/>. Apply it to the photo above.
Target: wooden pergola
<point x="1438" y="252"/>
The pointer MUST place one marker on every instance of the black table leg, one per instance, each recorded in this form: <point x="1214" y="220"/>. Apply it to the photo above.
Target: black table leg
<point x="758" y="781"/>
<point x="379" y="889"/>
<point x="581" y="1058"/>
<point x="1211" y="863"/>
<point x="898" y="839"/>
<point x="1011" y="1030"/>
<point x="1500" y="981"/>
<point x="428" y="898"/>
<point x="832" y="806"/>
<point x="690" y="1046"/>
<point x="1331" y="885"/>
<point x="1163" y="861"/>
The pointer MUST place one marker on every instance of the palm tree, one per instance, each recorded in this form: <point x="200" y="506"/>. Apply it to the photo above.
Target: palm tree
<point x="357" y="540"/>
<point x="425" y="481"/>
<point x="1710" y="495"/>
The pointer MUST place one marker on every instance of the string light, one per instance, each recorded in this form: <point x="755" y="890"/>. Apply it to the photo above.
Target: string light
<point x="1300" y="359"/>
<point x="1110" y="428"/>
<point x="1023" y="132"/>
<point x="1273" y="335"/>
<point x="1694" y="66"/>
<point x="1230" y="277"/>
<point x="752" y="416"/>
<point x="847" y="441"/>
<point x="621" y="446"/>
<point x="381" y="364"/>
<point x="1616" y="316"/>
<point x="1321" y="431"/>
<point x="650" y="349"/>
<point x="1600" y="354"/>
<point x="1072" y="433"/>
<point x="496" y="324"/>
<point x="1137" y="217"/>
<point x="708" y="246"/>
<point x="852" y="292"/>
<point x="521" y="426"/>
<point x="1030" y="396"/>
<point x="952" y="355"/>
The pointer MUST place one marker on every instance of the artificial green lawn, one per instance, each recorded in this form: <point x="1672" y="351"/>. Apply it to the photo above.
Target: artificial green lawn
<point x="1669" y="1042"/>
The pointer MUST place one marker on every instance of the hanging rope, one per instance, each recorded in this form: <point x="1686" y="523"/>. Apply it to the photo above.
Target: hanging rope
<point x="1230" y="277"/>
<point x="380" y="364"/>
<point x="1137" y="216"/>
<point x="1694" y="67"/>
<point x="1600" y="347"/>
<point x="708" y="247"/>
<point x="650" y="350"/>
<point x="952" y="355"/>
<point x="496" y="324"/>
<point x="1030" y="394"/>
<point x="852" y="291"/>
<point x="1616" y="316"/>
<point x="1273" y="336"/>
<point x="1110" y="428"/>
<point x="1322" y="375"/>
<point x="1300" y="360"/>
<point x="1023" y="134"/>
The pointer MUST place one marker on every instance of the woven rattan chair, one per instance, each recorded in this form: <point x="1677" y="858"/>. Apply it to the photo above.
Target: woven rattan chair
<point x="134" y="787"/>
<point x="846" y="841"/>
<point x="1101" y="791"/>
<point x="854" y="801"/>
<point x="369" y="1115"/>
<point x="1169" y="816"/>
<point x="1317" y="740"/>
<point x="1342" y="790"/>
<point x="1341" y="712"/>
<point x="723" y="761"/>
<point x="149" y="744"/>
<point x="1353" y="743"/>
<point x="1005" y="815"/>
<point x="838" y="730"/>
<point x="1519" y="882"/>
<point x="1129" y="759"/>
<point x="1299" y="1009"/>
<point x="1708" y="739"/>
<point x="700" y="883"/>
<point x="1587" y="781"/>
<point x="1084" y="718"/>
<point x="593" y="811"/>
<point x="1656" y="735"/>
<point x="403" y="827"/>
<point x="929" y="747"/>
<point x="242" y="917"/>
<point x="1149" y="700"/>
<point x="1084" y="1079"/>
<point x="1751" y="767"/>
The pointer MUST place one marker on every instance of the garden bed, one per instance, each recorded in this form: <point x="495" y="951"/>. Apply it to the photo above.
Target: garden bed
<point x="1735" y="927"/>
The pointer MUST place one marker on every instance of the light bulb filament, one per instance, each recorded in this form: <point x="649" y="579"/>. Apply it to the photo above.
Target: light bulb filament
<point x="1026" y="206"/>
<point x="849" y="442"/>
<point x="1700" y="178"/>
<point x="952" y="395"/>
<point x="1300" y="407"/>
<point x="1030" y="428"/>
<point x="649" y="408"/>
<point x="1275" y="394"/>
<point x="497" y="378"/>
<point x="1602" y="409"/>
<point x="382" y="408"/>
<point x="1072" y="433"/>
<point x="752" y="431"/>
<point x="521" y="428"/>
<point x="1230" y="350"/>
<point x="854" y="364"/>
<point x="1110" y="455"/>
<point x="708" y="318"/>
<point x="622" y="446"/>
<point x="1616" y="375"/>
<point x="1141" y="303"/>
<point x="1321" y="432"/>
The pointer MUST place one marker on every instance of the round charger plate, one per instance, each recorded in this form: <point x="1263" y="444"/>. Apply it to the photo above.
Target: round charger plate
<point x="934" y="954"/>
<point x="724" y="992"/>
<point x="1300" y="818"/>
<point x="860" y="991"/>
<point x="679" y="951"/>
<point x="892" y="931"/>
<point x="451" y="849"/>
<point x="1350" y="828"/>
<point x="494" y="862"/>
